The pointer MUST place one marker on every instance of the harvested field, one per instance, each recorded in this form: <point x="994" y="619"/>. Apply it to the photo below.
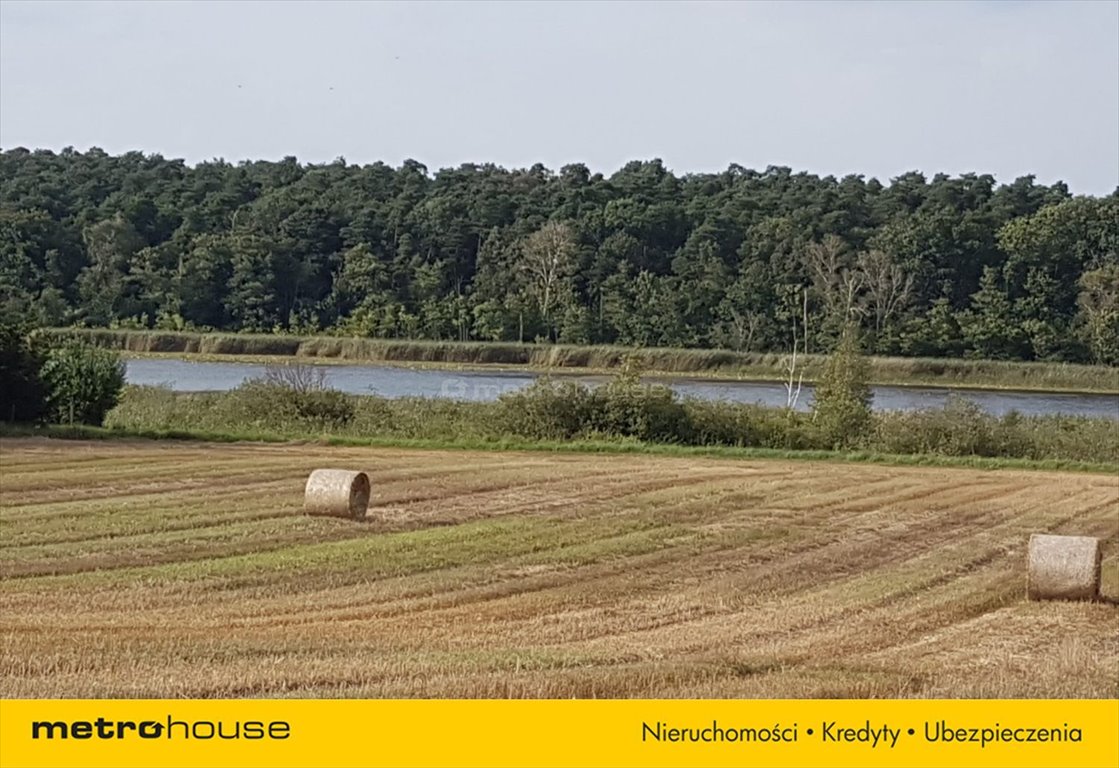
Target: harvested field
<point x="155" y="569"/>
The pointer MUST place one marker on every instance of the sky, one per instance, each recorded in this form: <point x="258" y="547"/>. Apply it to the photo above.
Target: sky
<point x="877" y="88"/>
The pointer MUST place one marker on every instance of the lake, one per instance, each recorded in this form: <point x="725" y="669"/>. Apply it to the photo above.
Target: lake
<point x="392" y="381"/>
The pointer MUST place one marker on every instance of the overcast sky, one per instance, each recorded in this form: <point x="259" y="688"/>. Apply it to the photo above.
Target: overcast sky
<point x="1003" y="87"/>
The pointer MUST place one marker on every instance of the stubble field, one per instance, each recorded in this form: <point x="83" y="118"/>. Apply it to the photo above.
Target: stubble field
<point x="158" y="569"/>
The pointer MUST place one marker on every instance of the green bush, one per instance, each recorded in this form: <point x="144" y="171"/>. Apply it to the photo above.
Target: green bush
<point x="23" y="395"/>
<point x="960" y="428"/>
<point x="420" y="418"/>
<point x="329" y="409"/>
<point x="372" y="416"/>
<point x="623" y="408"/>
<point x="841" y="404"/>
<point x="545" y="410"/>
<point x="1058" y="437"/>
<point x="1008" y="437"/>
<point x="646" y="412"/>
<point x="155" y="408"/>
<point x="255" y="406"/>
<point x="626" y="407"/>
<point x="260" y="404"/>
<point x="714" y="422"/>
<point x="291" y="396"/>
<point x="83" y="383"/>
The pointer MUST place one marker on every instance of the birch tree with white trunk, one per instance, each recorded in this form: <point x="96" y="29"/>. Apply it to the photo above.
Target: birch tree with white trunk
<point x="546" y="264"/>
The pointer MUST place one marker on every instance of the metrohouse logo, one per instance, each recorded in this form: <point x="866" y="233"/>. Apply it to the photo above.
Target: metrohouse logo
<point x="168" y="728"/>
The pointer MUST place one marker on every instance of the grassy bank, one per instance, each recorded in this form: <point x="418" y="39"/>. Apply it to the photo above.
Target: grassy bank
<point x="583" y="446"/>
<point x="565" y="416"/>
<point x="979" y="374"/>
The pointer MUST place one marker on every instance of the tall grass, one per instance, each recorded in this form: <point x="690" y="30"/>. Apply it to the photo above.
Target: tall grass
<point x="623" y="412"/>
<point x="882" y="370"/>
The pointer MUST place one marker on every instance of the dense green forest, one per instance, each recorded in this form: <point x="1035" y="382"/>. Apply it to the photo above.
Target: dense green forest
<point x="746" y="260"/>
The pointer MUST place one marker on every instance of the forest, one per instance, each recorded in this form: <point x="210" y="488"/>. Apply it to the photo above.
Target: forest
<point x="747" y="260"/>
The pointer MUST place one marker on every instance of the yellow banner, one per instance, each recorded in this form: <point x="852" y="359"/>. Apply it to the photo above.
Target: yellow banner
<point x="550" y="734"/>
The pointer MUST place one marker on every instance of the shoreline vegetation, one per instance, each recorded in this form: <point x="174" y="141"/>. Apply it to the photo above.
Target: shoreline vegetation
<point x="657" y="362"/>
<point x="292" y="403"/>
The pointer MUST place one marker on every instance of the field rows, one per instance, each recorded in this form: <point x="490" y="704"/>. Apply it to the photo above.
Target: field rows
<point x="186" y="569"/>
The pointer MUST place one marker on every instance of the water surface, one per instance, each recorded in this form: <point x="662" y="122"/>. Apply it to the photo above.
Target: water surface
<point x="392" y="381"/>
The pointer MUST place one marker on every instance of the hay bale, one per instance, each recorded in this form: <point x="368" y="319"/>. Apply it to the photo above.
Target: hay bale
<point x="337" y="493"/>
<point x="1063" y="568"/>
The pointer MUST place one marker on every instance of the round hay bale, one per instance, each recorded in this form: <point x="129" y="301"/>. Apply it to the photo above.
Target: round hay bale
<point x="337" y="493"/>
<point x="1063" y="568"/>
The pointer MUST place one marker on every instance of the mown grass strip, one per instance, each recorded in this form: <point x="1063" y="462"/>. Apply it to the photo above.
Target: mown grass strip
<point x="76" y="432"/>
<point x="394" y="554"/>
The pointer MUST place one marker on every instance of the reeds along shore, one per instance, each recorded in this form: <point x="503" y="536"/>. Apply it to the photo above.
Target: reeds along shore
<point x="882" y="370"/>
<point x="566" y="412"/>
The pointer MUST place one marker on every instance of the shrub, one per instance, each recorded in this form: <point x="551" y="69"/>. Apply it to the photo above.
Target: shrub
<point x="23" y="395"/>
<point x="296" y="377"/>
<point x="960" y="428"/>
<point x="628" y="408"/>
<point x="545" y="410"/>
<point x="83" y="383"/>
<point x="1008" y="437"/>
<point x="153" y="407"/>
<point x="841" y="405"/>
<point x="645" y="412"/>
<point x="624" y="407"/>
<point x="713" y="422"/>
<point x="301" y="392"/>
<point x="373" y="415"/>
<point x="440" y="419"/>
<point x="262" y="404"/>
<point x="326" y="409"/>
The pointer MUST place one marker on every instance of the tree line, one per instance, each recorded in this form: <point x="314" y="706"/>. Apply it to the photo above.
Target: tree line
<point x="747" y="260"/>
